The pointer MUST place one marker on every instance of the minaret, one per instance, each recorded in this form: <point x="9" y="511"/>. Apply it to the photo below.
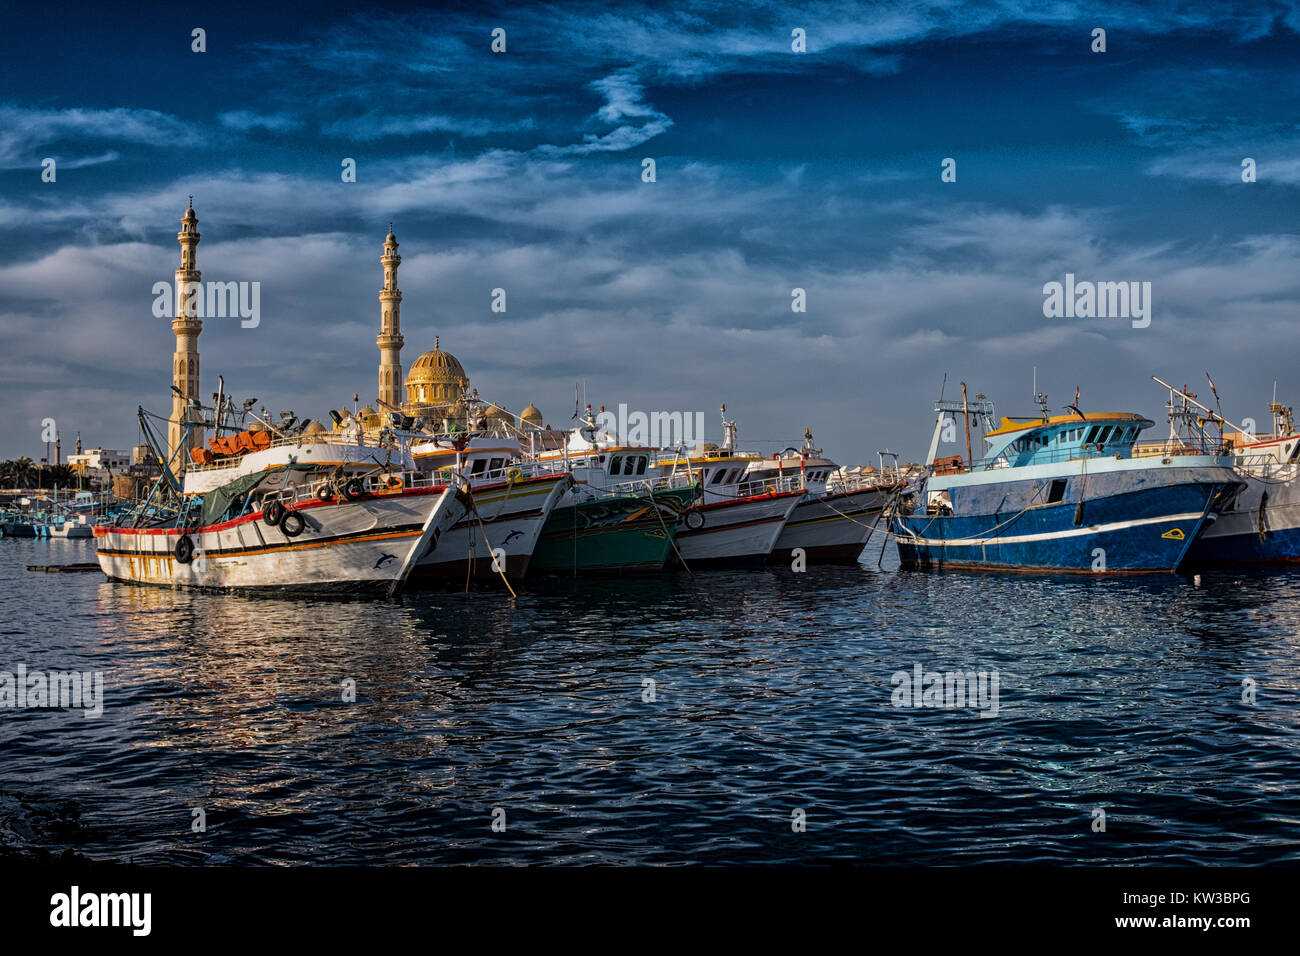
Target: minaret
<point x="390" y="328"/>
<point x="185" y="363"/>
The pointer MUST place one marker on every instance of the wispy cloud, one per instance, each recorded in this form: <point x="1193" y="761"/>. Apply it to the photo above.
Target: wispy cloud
<point x="28" y="134"/>
<point x="245" y="120"/>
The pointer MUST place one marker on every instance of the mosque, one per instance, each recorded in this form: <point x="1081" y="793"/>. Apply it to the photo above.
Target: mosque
<point x="436" y="390"/>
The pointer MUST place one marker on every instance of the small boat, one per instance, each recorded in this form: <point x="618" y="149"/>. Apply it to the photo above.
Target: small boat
<point x="69" y="526"/>
<point x="739" y="518"/>
<point x="835" y="517"/>
<point x="1072" y="492"/>
<point x="1262" y="524"/>
<point x="512" y="500"/>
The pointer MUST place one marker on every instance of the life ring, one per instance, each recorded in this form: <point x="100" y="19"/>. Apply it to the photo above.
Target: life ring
<point x="273" y="512"/>
<point x="392" y="482"/>
<point x="694" y="520"/>
<point x="514" y="474"/>
<point x="184" y="549"/>
<point x="353" y="489"/>
<point x="292" y="524"/>
<point x="325" y="493"/>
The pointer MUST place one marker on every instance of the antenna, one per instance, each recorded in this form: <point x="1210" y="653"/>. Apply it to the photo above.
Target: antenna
<point x="1035" y="382"/>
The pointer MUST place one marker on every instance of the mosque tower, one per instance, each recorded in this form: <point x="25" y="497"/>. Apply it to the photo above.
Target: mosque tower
<point x="185" y="363"/>
<point x="390" y="329"/>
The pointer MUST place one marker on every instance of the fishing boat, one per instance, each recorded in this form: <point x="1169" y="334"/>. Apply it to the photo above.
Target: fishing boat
<point x="835" y="517"/>
<point x="289" y="529"/>
<point x="1071" y="492"/>
<point x="1262" y="524"/>
<point x="739" y="518"/>
<point x="512" y="500"/>
<point x="284" y="508"/>
<point x="618" y="517"/>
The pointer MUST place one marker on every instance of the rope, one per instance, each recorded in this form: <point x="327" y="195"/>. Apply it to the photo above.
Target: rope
<point x="672" y="538"/>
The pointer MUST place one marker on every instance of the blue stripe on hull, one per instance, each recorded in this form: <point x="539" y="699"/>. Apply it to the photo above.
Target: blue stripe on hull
<point x="1065" y="545"/>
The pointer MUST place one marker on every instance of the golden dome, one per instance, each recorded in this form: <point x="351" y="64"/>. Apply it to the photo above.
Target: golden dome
<point x="436" y="377"/>
<point x="497" y="412"/>
<point x="532" y="415"/>
<point x="436" y="367"/>
<point x="367" y="412"/>
<point x="315" y="428"/>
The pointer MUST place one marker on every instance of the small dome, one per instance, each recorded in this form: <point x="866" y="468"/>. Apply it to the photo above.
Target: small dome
<point x="315" y="428"/>
<point x="531" y="415"/>
<point x="496" y="412"/>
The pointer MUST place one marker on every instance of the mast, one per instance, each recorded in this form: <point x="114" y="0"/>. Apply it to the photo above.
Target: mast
<point x="965" y="411"/>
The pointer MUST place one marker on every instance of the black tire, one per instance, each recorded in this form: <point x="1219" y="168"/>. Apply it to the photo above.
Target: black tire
<point x="353" y="489"/>
<point x="693" y="519"/>
<point x="273" y="512"/>
<point x="325" y="493"/>
<point x="292" y="524"/>
<point x="184" y="549"/>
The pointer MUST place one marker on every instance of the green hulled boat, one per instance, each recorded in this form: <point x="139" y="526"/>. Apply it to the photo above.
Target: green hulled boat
<point x="612" y="534"/>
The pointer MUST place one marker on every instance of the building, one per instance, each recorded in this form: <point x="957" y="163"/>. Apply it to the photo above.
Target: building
<point x="437" y="390"/>
<point x="100" y="464"/>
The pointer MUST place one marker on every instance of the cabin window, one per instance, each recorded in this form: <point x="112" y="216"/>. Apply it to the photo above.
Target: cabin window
<point x="717" y="476"/>
<point x="614" y="462"/>
<point x="641" y="463"/>
<point x="478" y="467"/>
<point x="1057" y="491"/>
<point x="497" y="464"/>
<point x="1092" y="434"/>
<point x="629" y="465"/>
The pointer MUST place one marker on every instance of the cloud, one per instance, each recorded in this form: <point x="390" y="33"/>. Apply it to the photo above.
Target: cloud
<point x="377" y="125"/>
<point x="245" y="120"/>
<point x="28" y="134"/>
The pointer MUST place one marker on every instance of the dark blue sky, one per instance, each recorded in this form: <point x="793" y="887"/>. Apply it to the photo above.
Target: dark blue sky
<point x="776" y="170"/>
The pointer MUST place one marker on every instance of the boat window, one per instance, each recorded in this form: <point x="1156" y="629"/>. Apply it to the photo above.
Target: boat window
<point x="497" y="464"/>
<point x="614" y="462"/>
<point x="1092" y="434"/>
<point x="629" y="465"/>
<point x="717" y="476"/>
<point x="1057" y="491"/>
<point x="641" y="463"/>
<point x="478" y="466"/>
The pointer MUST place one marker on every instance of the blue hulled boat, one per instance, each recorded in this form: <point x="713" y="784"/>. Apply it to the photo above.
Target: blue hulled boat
<point x="1072" y="492"/>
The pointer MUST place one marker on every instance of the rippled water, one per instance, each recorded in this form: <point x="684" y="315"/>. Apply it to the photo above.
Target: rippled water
<point x="772" y="690"/>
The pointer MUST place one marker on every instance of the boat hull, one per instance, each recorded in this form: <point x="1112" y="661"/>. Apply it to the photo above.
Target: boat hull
<point x="1132" y="522"/>
<point x="506" y="521"/>
<point x="619" y="534"/>
<point x="832" y="528"/>
<point x="1261" y="527"/>
<point x="346" y="547"/>
<point x="738" y="533"/>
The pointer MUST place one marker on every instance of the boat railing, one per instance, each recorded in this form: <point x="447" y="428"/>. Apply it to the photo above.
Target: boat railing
<point x="296" y="441"/>
<point x="1048" y="456"/>
<point x="662" y="483"/>
<point x="768" y="486"/>
<point x="390" y="482"/>
<point x="1265" y="466"/>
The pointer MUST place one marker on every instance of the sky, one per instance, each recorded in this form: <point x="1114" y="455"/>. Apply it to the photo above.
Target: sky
<point x="775" y="170"/>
